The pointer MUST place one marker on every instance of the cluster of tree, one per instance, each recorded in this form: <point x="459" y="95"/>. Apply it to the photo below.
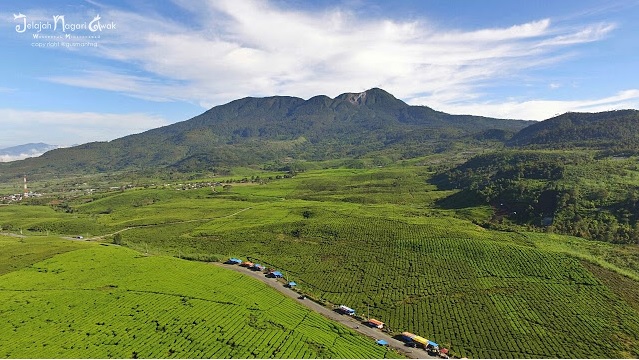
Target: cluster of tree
<point x="565" y="192"/>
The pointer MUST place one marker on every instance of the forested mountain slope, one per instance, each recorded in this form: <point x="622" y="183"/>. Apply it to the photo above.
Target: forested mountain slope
<point x="257" y="130"/>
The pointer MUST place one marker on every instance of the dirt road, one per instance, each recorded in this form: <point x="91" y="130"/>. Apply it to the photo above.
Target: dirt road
<point x="14" y="235"/>
<point x="342" y="319"/>
<point x="100" y="237"/>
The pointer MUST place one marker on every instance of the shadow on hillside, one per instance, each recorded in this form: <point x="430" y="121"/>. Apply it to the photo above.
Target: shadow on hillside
<point x="460" y="200"/>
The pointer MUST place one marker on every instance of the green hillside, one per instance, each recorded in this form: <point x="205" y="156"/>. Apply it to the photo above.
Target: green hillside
<point x="582" y="193"/>
<point x="618" y="130"/>
<point x="105" y="302"/>
<point x="378" y="240"/>
<point x="475" y="233"/>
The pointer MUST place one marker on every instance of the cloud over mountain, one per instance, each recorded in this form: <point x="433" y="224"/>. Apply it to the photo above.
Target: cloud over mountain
<point x="227" y="49"/>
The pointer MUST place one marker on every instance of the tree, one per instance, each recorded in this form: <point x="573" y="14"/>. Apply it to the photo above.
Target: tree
<point x="117" y="239"/>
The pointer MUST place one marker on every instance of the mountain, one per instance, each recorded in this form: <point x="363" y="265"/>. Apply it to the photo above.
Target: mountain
<point x="618" y="129"/>
<point x="259" y="130"/>
<point x="20" y="152"/>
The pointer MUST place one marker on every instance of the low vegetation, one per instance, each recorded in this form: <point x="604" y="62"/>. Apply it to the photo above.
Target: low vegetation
<point x="113" y="302"/>
<point x="495" y="238"/>
<point x="382" y="242"/>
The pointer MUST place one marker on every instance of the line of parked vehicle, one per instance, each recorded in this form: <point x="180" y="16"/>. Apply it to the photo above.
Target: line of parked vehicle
<point x="409" y="339"/>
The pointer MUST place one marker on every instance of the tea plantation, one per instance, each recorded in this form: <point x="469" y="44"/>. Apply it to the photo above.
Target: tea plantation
<point x="108" y="301"/>
<point x="372" y="239"/>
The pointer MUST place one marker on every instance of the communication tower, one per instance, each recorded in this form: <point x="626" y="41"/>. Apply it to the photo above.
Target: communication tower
<point x="26" y="191"/>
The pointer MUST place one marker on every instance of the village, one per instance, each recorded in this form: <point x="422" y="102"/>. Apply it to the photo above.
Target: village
<point x="26" y="193"/>
<point x="80" y="189"/>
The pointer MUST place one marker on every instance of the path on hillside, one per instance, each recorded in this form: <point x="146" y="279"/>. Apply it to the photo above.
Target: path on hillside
<point x="98" y="237"/>
<point x="413" y="353"/>
<point x="12" y="234"/>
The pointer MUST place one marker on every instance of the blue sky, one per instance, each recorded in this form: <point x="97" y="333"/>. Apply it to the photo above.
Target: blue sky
<point x="158" y="62"/>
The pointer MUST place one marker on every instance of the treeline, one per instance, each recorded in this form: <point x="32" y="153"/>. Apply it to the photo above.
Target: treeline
<point x="574" y="193"/>
<point x="614" y="131"/>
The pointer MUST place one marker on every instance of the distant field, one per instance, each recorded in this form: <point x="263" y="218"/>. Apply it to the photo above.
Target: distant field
<point x="375" y="240"/>
<point x="18" y="252"/>
<point x="103" y="302"/>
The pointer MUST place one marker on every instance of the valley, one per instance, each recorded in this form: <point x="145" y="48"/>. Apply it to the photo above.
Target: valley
<point x="335" y="179"/>
<point x="493" y="238"/>
<point x="376" y="240"/>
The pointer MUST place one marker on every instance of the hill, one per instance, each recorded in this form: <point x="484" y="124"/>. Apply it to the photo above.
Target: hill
<point x="577" y="192"/>
<point x="605" y="130"/>
<point x="572" y="174"/>
<point x="372" y="239"/>
<point x="111" y="302"/>
<point x="277" y="129"/>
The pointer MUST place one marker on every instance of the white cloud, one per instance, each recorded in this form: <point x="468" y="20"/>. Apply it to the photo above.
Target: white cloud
<point x="230" y="49"/>
<point x="540" y="109"/>
<point x="7" y="158"/>
<point x="587" y="34"/>
<point x="69" y="128"/>
<point x="528" y="30"/>
<point x="132" y="85"/>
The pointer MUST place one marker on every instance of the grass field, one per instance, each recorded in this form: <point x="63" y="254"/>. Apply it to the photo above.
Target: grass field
<point x="20" y="252"/>
<point x="108" y="301"/>
<point x="375" y="240"/>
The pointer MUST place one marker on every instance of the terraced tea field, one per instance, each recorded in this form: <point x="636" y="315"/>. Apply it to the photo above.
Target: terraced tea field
<point x="108" y="301"/>
<point x="453" y="283"/>
<point x="376" y="241"/>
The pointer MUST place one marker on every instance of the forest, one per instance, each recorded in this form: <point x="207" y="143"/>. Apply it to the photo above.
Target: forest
<point x="573" y="192"/>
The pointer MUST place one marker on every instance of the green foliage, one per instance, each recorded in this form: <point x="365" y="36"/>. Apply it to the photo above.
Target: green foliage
<point x="617" y="131"/>
<point x="45" y="220"/>
<point x="375" y="240"/>
<point x="569" y="192"/>
<point x="117" y="239"/>
<point x="105" y="302"/>
<point x="20" y="252"/>
<point x="440" y="276"/>
<point x="621" y="259"/>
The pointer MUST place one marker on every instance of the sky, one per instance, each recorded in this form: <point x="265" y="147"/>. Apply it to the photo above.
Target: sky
<point x="80" y="71"/>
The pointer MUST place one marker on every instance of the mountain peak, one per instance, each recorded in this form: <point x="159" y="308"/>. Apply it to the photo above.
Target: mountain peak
<point x="355" y="99"/>
<point x="374" y="96"/>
